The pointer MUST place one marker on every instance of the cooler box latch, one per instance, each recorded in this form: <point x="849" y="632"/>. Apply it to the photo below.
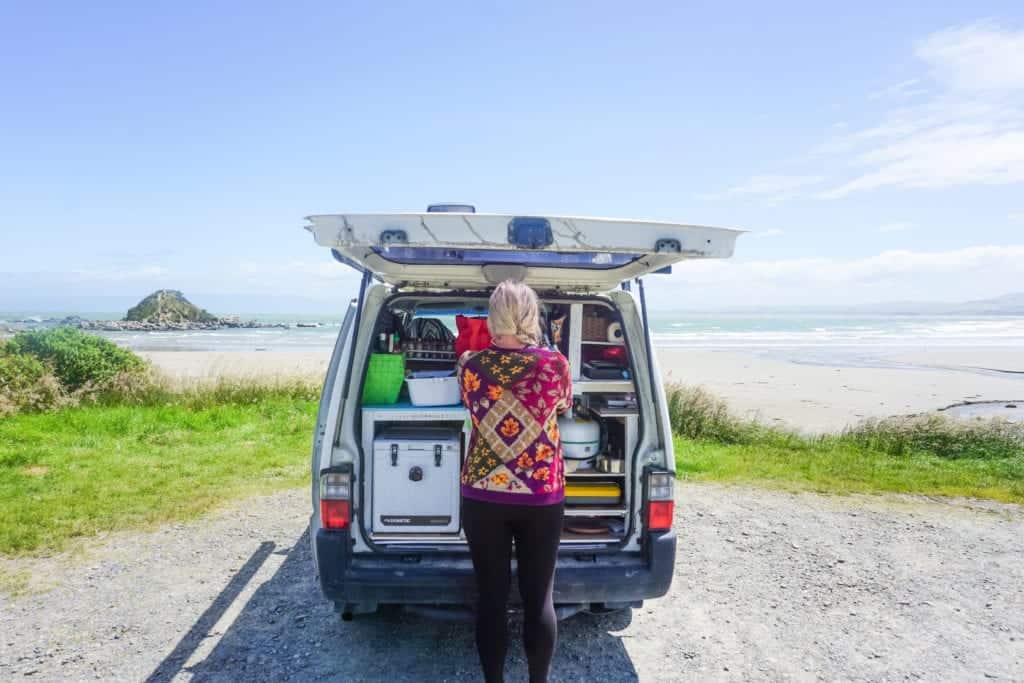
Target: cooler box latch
<point x="437" y="455"/>
<point x="394" y="455"/>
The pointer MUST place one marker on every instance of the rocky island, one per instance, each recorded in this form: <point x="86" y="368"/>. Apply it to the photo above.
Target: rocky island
<point x="168" y="306"/>
<point x="165" y="310"/>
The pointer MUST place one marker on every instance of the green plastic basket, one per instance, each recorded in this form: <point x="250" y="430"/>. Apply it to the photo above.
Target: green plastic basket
<point x="384" y="377"/>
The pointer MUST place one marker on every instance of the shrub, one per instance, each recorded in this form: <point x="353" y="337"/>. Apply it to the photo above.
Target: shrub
<point x="941" y="436"/>
<point x="26" y="384"/>
<point x="237" y="391"/>
<point x="19" y="372"/>
<point x="696" y="413"/>
<point x="143" y="387"/>
<point x="77" y="358"/>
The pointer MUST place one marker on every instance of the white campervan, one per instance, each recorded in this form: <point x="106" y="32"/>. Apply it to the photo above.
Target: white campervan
<point x="391" y="435"/>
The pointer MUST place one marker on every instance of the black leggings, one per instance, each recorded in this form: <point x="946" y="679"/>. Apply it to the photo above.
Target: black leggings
<point x="490" y="529"/>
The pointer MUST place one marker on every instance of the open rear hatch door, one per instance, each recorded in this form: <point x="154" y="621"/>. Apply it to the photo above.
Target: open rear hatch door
<point x="472" y="250"/>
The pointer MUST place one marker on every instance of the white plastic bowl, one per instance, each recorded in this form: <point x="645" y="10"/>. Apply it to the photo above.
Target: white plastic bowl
<point x="433" y="391"/>
<point x="574" y="465"/>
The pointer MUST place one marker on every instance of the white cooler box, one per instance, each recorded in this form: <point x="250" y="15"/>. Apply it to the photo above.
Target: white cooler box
<point x="416" y="480"/>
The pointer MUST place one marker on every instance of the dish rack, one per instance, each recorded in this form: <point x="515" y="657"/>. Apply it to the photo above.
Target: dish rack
<point x="436" y="356"/>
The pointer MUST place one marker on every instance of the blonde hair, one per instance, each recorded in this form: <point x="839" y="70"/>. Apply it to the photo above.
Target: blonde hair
<point x="513" y="309"/>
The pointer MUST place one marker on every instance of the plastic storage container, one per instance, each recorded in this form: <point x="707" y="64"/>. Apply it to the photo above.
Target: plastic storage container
<point x="434" y="388"/>
<point x="592" y="494"/>
<point x="384" y="377"/>
<point x="581" y="438"/>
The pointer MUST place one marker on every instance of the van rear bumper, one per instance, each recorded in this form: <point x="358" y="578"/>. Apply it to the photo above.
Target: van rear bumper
<point x="365" y="581"/>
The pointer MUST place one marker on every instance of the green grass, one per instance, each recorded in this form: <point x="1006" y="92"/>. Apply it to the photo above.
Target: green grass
<point x="832" y="466"/>
<point x="927" y="455"/>
<point x="79" y="471"/>
<point x="145" y="451"/>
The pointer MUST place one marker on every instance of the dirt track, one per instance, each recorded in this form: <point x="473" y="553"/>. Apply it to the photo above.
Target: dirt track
<point x="768" y="586"/>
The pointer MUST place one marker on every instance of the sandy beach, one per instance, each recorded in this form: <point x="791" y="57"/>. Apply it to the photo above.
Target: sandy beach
<point x="203" y="365"/>
<point x="823" y="398"/>
<point x="811" y="398"/>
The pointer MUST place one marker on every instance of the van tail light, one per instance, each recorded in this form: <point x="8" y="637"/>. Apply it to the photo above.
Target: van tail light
<point x="661" y="504"/>
<point x="335" y="500"/>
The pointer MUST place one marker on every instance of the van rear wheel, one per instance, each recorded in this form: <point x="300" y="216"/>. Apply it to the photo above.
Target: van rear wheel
<point x="610" y="607"/>
<point x="615" y="615"/>
<point x="348" y="610"/>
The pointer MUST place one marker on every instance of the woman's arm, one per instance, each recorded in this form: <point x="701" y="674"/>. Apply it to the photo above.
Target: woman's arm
<point x="565" y="399"/>
<point x="459" y="367"/>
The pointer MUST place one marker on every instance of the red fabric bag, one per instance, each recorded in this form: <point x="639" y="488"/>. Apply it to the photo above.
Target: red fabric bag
<point x="473" y="334"/>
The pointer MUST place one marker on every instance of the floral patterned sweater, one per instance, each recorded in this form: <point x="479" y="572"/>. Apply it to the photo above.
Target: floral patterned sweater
<point x="514" y="398"/>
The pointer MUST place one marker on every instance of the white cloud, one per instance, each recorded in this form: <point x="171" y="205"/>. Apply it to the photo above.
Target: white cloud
<point x="895" y="227"/>
<point x="907" y="88"/>
<point x="968" y="130"/>
<point x="971" y="132"/>
<point x="959" y="153"/>
<point x="1016" y="216"/>
<point x="312" y="278"/>
<point x="120" y="274"/>
<point x="325" y="269"/>
<point x="886" y="265"/>
<point x="977" y="57"/>
<point x="777" y="186"/>
<point x="952" y="275"/>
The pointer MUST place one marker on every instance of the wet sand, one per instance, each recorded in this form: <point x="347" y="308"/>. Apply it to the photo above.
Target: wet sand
<point x="811" y="398"/>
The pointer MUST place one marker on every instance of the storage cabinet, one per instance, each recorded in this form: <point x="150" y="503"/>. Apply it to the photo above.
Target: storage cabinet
<point x="581" y="348"/>
<point x="627" y="424"/>
<point x="414" y="499"/>
<point x="398" y="439"/>
<point x="590" y="340"/>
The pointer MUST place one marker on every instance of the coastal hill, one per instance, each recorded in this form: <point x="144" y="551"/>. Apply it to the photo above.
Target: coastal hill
<point x="168" y="306"/>
<point x="165" y="310"/>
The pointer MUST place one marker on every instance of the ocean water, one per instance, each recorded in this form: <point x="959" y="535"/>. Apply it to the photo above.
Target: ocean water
<point x="809" y="338"/>
<point x="835" y="330"/>
<point x="837" y="338"/>
<point x="262" y="339"/>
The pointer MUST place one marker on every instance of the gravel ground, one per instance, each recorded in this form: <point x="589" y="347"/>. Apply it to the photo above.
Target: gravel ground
<point x="769" y="586"/>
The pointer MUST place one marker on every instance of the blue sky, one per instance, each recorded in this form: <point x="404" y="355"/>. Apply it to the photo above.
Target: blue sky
<point x="876" y="152"/>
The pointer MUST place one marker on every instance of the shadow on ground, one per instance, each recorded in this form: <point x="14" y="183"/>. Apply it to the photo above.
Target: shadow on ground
<point x="288" y="631"/>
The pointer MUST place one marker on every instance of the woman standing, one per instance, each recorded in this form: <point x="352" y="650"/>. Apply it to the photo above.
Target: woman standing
<point x="513" y="481"/>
